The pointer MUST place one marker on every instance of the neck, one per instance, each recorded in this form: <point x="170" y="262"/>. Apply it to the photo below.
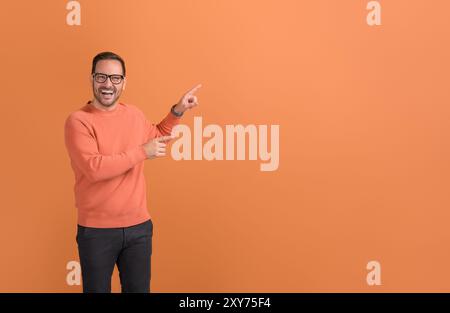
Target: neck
<point x="100" y="106"/>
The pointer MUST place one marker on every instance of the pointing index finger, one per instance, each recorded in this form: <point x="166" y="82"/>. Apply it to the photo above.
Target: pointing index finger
<point x="194" y="89"/>
<point x="164" y="138"/>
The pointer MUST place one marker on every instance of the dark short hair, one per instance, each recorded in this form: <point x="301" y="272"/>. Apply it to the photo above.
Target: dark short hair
<point x="107" y="56"/>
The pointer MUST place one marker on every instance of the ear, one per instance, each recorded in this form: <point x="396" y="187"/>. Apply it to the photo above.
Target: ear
<point x="124" y="83"/>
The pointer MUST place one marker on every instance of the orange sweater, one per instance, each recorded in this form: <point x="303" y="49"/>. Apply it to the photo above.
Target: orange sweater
<point x="107" y="157"/>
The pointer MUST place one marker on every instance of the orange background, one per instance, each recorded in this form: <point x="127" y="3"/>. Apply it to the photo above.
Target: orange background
<point x="364" y="141"/>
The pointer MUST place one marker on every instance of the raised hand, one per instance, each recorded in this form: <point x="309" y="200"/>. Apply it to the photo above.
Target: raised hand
<point x="187" y="101"/>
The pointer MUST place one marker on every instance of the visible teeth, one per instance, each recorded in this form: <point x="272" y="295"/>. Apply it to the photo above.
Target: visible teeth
<point x="107" y="92"/>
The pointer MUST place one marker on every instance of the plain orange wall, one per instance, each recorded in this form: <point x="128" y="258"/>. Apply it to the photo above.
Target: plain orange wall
<point x="364" y="141"/>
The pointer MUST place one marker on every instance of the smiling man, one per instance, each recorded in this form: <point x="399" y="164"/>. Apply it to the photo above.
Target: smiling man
<point x="107" y="142"/>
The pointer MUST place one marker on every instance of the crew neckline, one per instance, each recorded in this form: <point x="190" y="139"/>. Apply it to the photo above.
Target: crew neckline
<point x="98" y="111"/>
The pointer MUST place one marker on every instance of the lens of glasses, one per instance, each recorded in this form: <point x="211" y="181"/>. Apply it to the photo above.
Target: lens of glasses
<point x="116" y="79"/>
<point x="100" y="78"/>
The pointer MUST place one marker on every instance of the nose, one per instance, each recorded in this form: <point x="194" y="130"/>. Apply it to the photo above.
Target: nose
<point x="108" y="82"/>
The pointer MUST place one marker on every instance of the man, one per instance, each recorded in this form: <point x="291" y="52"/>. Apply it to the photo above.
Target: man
<point x="107" y="142"/>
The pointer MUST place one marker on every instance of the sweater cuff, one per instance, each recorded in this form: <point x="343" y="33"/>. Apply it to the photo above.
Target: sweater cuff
<point x="172" y="110"/>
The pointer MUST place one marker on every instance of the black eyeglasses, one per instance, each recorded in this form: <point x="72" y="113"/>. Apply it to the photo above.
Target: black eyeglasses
<point x="114" y="78"/>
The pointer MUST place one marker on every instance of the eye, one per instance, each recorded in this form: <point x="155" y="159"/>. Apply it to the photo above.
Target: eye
<point x="116" y="79"/>
<point x="100" y="77"/>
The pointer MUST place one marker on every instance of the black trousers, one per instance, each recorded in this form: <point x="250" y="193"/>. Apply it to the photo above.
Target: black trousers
<point x="100" y="249"/>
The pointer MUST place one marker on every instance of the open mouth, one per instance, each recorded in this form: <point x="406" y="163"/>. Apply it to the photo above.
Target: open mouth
<point x="107" y="94"/>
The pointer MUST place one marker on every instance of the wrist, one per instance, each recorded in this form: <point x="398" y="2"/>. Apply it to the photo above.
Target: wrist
<point x="175" y="112"/>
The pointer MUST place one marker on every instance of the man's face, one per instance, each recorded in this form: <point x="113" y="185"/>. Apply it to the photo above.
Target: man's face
<point x="107" y="93"/>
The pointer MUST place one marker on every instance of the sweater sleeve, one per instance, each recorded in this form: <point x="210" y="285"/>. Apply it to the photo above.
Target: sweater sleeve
<point x="83" y="151"/>
<point x="164" y="128"/>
